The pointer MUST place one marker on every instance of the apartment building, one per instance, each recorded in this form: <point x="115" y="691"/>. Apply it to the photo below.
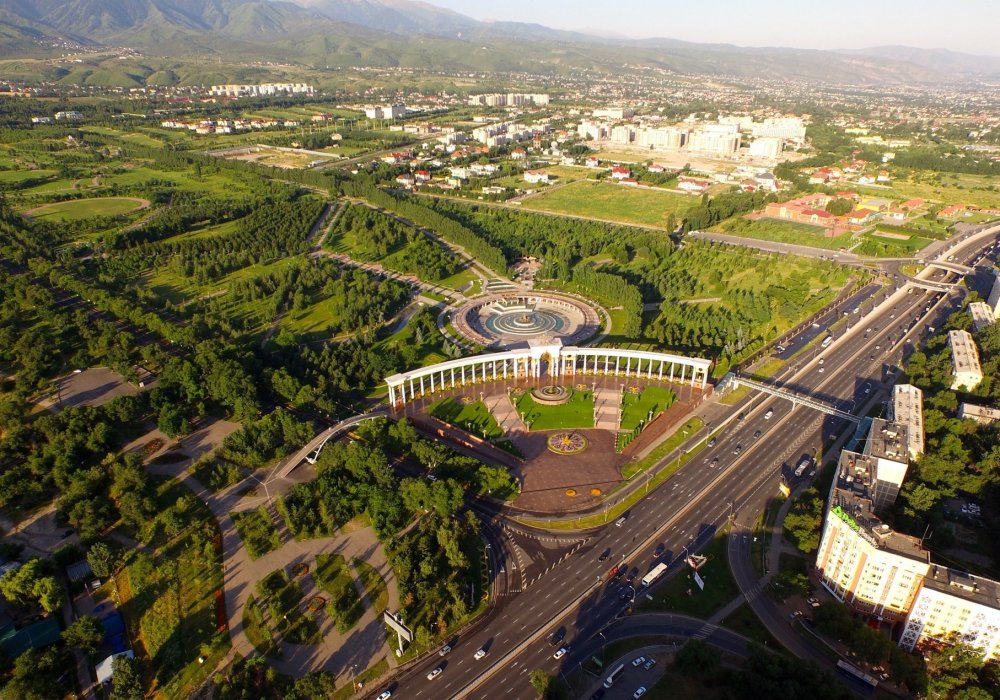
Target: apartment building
<point x="955" y="605"/>
<point x="791" y="128"/>
<point x="982" y="315"/>
<point x="907" y="408"/>
<point x="767" y="148"/>
<point x="667" y="139"/>
<point x="396" y="111"/>
<point x="715" y="139"/>
<point x="966" y="371"/>
<point x="983" y="415"/>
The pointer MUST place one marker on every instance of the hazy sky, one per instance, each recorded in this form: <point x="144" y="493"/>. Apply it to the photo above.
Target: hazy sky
<point x="962" y="25"/>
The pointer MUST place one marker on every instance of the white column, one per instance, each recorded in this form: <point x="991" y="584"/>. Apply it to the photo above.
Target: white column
<point x="671" y="372"/>
<point x="682" y="374"/>
<point x="628" y="365"/>
<point x="413" y="393"/>
<point x="463" y="375"/>
<point x="421" y="386"/>
<point x="432" y="382"/>
<point x="607" y="360"/>
<point x="694" y="371"/>
<point x="392" y="396"/>
<point x="650" y="375"/>
<point x="704" y="378"/>
<point x="494" y="370"/>
<point x="661" y="371"/>
<point x="452" y="377"/>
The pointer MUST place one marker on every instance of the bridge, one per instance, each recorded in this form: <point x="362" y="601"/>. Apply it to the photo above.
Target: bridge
<point x="952" y="267"/>
<point x="310" y="452"/>
<point x="931" y="285"/>
<point x="796" y="398"/>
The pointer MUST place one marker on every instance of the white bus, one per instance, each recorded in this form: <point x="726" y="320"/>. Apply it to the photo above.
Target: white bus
<point x="614" y="675"/>
<point x="653" y="574"/>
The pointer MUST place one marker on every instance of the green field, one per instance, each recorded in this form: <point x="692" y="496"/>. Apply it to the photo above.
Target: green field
<point x="646" y="406"/>
<point x="258" y="533"/>
<point x="578" y="412"/>
<point x="474" y="417"/>
<point x="601" y="200"/>
<point x="782" y="232"/>
<point x="11" y="177"/>
<point x="884" y="246"/>
<point x="949" y="188"/>
<point x="77" y="209"/>
<point x="681" y="593"/>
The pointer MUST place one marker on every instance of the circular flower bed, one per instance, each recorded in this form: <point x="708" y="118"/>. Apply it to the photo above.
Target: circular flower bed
<point x="571" y="492"/>
<point x="316" y="603"/>
<point x="566" y="443"/>
<point x="300" y="570"/>
<point x="595" y="492"/>
<point x="550" y="395"/>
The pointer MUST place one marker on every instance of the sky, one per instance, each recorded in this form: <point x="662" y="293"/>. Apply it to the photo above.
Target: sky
<point x="970" y="26"/>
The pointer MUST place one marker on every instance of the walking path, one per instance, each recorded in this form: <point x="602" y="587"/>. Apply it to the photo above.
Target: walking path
<point x="363" y="645"/>
<point x="606" y="404"/>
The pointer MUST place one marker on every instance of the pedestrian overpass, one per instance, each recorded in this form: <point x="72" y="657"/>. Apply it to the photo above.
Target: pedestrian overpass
<point x="796" y="398"/>
<point x="957" y="268"/>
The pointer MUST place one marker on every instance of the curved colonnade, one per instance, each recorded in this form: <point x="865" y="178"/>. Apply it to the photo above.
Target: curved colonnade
<point x="551" y="360"/>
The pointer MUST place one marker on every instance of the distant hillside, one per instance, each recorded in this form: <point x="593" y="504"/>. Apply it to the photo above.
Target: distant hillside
<point x="321" y="33"/>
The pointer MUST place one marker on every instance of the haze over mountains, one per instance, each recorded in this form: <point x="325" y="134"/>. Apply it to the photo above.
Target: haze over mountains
<point x="417" y="34"/>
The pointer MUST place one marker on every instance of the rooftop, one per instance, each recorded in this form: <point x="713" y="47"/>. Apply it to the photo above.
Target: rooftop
<point x="964" y="353"/>
<point x="888" y="440"/>
<point x="963" y="585"/>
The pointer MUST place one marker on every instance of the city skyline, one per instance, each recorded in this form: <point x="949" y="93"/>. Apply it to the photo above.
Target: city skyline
<point x="851" y="24"/>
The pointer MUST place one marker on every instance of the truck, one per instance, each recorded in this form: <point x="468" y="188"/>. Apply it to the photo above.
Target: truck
<point x="653" y="574"/>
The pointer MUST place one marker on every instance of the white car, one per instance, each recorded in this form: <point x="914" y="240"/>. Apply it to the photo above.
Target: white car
<point x="561" y="653"/>
<point x="434" y="674"/>
<point x="638" y="661"/>
<point x="770" y="412"/>
<point x="479" y="654"/>
<point x="385" y="695"/>
<point x="444" y="650"/>
<point x="639" y="692"/>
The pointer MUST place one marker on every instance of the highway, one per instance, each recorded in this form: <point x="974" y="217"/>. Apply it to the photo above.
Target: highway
<point x="573" y="598"/>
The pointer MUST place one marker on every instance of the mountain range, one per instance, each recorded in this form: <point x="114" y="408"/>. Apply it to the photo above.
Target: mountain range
<point x="417" y="34"/>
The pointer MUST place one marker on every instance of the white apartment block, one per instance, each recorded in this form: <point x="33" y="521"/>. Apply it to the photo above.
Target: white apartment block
<point x="512" y="99"/>
<point x="667" y="138"/>
<point x="994" y="299"/>
<point x="983" y="415"/>
<point x="862" y="561"/>
<point x="263" y="89"/>
<point x="593" y="130"/>
<point x="791" y="128"/>
<point x="622" y="134"/>
<point x="908" y="409"/>
<point x="953" y="604"/>
<point x="966" y="370"/>
<point x="396" y="111"/>
<point x="982" y="315"/>
<point x="769" y="148"/>
<point x="715" y="139"/>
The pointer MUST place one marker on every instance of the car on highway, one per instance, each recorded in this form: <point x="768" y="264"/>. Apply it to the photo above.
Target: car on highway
<point x="621" y="521"/>
<point x="480" y="653"/>
<point x="820" y="370"/>
<point x="660" y="549"/>
<point x="444" y="650"/>
<point x="715" y="462"/>
<point x="770" y="412"/>
<point x="605" y="554"/>
<point x="639" y="692"/>
<point x="638" y="661"/>
<point x="711" y="443"/>
<point x="739" y="416"/>
<point x="386" y="694"/>
<point x="626" y="593"/>
<point x="560" y="652"/>
<point x="434" y="674"/>
<point x="737" y="449"/>
<point x="649" y="664"/>
<point x="867" y="388"/>
<point x="756" y="434"/>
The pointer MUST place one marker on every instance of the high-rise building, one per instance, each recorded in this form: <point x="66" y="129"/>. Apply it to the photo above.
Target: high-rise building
<point x="994" y="298"/>
<point x="622" y="134"/>
<point x="908" y="409"/>
<point x="791" y="128"/>
<point x="715" y="139"/>
<point x="966" y="370"/>
<point x="665" y="138"/>
<point x="769" y="148"/>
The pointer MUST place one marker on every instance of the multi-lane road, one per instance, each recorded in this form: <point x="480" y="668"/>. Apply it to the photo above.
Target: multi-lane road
<point x="573" y="598"/>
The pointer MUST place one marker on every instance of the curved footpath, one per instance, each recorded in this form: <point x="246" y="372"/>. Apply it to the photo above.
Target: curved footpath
<point x="337" y="653"/>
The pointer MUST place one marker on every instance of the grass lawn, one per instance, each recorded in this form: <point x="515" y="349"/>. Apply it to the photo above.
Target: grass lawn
<point x="645" y="406"/>
<point x="674" y="685"/>
<point x="333" y="576"/>
<point x="474" y="417"/>
<point x="578" y="412"/>
<point x="889" y="246"/>
<point x="375" y="589"/>
<point x="128" y="136"/>
<point x="663" y="449"/>
<point x="744" y="621"/>
<point x="949" y="188"/>
<point x="458" y="280"/>
<point x="257" y="631"/>
<point x="603" y="200"/>
<point x="782" y="232"/>
<point x="259" y="534"/>
<point x="77" y="209"/>
<point x="172" y="596"/>
<point x="12" y="177"/>
<point x="284" y="604"/>
<point x="681" y="593"/>
<point x="365" y="677"/>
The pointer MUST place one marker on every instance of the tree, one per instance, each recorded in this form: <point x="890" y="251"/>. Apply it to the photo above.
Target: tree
<point x="126" y="684"/>
<point x="698" y="658"/>
<point x="84" y="634"/>
<point x="31" y="584"/>
<point x="540" y="681"/>
<point x="102" y="560"/>
<point x="35" y="676"/>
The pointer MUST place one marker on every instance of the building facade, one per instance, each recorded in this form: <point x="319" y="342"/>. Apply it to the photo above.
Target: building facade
<point x="966" y="370"/>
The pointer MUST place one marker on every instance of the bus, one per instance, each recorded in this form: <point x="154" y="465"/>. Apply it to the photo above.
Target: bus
<point x="856" y="673"/>
<point x="614" y="675"/>
<point x="653" y="574"/>
<point x="826" y="341"/>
